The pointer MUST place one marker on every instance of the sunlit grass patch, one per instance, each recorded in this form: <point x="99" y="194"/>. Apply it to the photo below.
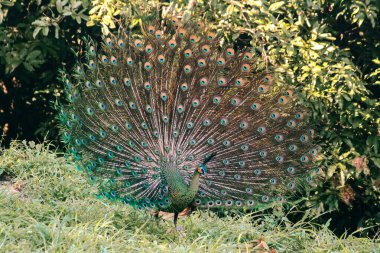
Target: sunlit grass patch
<point x="46" y="205"/>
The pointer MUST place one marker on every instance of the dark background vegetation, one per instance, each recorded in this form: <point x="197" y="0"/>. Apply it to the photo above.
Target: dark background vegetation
<point x="328" y="49"/>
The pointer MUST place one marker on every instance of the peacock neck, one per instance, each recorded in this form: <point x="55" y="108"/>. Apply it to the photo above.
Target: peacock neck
<point x="194" y="185"/>
<point x="181" y="194"/>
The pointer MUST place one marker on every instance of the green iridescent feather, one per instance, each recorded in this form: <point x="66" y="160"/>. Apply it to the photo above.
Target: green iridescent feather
<point x="145" y="110"/>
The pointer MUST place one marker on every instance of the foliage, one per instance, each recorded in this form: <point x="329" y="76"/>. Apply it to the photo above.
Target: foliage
<point x="328" y="49"/>
<point x="45" y="205"/>
<point x="103" y="12"/>
<point x="37" y="38"/>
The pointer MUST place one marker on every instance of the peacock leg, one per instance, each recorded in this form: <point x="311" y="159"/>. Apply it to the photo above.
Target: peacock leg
<point x="156" y="216"/>
<point x="175" y="218"/>
<point x="191" y="210"/>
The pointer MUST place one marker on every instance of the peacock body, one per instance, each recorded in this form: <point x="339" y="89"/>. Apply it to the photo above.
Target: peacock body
<point x="169" y="119"/>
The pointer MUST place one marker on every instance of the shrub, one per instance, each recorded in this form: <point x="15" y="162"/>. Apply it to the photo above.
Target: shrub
<point x="329" y="50"/>
<point x="37" y="38"/>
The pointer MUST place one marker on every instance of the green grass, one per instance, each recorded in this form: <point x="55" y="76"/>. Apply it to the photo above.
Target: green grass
<point x="47" y="206"/>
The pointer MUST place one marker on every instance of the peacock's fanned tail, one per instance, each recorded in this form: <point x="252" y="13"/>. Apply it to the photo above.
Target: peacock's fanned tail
<point x="174" y="95"/>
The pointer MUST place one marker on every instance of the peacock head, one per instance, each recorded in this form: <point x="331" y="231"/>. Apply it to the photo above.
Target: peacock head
<point x="202" y="169"/>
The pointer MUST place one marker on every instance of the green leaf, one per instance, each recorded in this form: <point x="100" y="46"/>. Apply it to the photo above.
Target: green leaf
<point x="376" y="161"/>
<point x="7" y="3"/>
<point x="33" y="54"/>
<point x="36" y="31"/>
<point x="373" y="142"/>
<point x="28" y="66"/>
<point x="39" y="23"/>
<point x="276" y="6"/>
<point x="348" y="142"/>
<point x="45" y="31"/>
<point x="56" y="32"/>
<point x="59" y="6"/>
<point x="316" y="46"/>
<point x="1" y="16"/>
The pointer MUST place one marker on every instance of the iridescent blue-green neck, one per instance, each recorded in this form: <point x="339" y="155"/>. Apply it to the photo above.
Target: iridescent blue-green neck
<point x="181" y="194"/>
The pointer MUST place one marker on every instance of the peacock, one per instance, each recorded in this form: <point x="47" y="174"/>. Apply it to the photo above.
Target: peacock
<point x="170" y="118"/>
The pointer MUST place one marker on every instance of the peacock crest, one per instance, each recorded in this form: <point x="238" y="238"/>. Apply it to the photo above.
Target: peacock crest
<point x="169" y="118"/>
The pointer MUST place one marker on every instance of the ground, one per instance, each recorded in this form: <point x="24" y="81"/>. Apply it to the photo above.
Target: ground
<point x="48" y="206"/>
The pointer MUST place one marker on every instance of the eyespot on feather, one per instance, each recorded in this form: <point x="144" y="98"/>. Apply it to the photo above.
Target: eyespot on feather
<point x="210" y="36"/>
<point x="187" y="69"/>
<point x="230" y="52"/>
<point x="288" y="93"/>
<point x="221" y="61"/>
<point x="235" y="101"/>
<point x="148" y="66"/>
<point x="120" y="42"/>
<point x="158" y="34"/>
<point x="291" y="123"/>
<point x="195" y="103"/>
<point x="262" y="130"/>
<point x="92" y="50"/>
<point x="174" y="20"/>
<point x="263" y="89"/>
<point x="245" y="68"/>
<point x="161" y="59"/>
<point x="239" y="82"/>
<point x="108" y="41"/>
<point x="274" y="115"/>
<point x="172" y="44"/>
<point x="181" y="32"/>
<point x="92" y="64"/>
<point x="203" y="81"/>
<point x="129" y="61"/>
<point x="149" y="49"/>
<point x="205" y="49"/>
<point x="247" y="56"/>
<point x="200" y="25"/>
<point x="188" y="53"/>
<point x="193" y="39"/>
<point x="164" y="96"/>
<point x="222" y="81"/>
<point x="267" y="80"/>
<point x="184" y="87"/>
<point x="283" y="100"/>
<point x="255" y="106"/>
<point x="138" y="44"/>
<point x="216" y="99"/>
<point x="151" y="29"/>
<point x="201" y="63"/>
<point x="300" y="115"/>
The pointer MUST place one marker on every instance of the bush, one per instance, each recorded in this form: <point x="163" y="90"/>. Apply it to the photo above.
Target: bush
<point x="37" y="38"/>
<point x="330" y="51"/>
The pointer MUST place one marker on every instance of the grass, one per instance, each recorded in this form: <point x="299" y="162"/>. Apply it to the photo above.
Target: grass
<point x="47" y="206"/>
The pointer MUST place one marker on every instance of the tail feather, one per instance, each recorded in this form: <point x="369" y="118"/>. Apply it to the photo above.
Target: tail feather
<point x="175" y="94"/>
